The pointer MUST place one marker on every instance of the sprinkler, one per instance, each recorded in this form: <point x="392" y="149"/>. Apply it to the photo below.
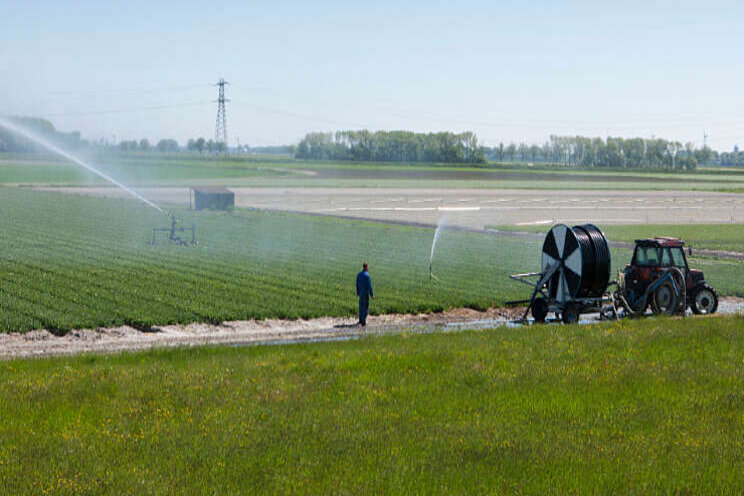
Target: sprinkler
<point x="437" y="233"/>
<point x="175" y="227"/>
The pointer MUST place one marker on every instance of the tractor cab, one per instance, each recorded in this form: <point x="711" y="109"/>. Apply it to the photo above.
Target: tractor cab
<point x="655" y="256"/>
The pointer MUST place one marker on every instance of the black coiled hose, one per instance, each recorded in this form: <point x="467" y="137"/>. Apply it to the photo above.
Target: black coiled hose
<point x="596" y="261"/>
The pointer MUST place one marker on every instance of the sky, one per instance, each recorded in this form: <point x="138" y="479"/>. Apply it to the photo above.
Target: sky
<point x="509" y="71"/>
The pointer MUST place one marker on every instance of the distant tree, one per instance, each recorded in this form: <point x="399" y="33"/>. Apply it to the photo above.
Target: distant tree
<point x="634" y="151"/>
<point x="534" y="152"/>
<point x="673" y="149"/>
<point x="128" y="145"/>
<point x="169" y="145"/>
<point x="612" y="154"/>
<point x="704" y="155"/>
<point x="303" y="149"/>
<point x="523" y="151"/>
<point x="510" y="151"/>
<point x="144" y="145"/>
<point x="199" y="144"/>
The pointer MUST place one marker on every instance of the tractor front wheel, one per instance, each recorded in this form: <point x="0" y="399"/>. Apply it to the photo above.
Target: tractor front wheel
<point x="704" y="300"/>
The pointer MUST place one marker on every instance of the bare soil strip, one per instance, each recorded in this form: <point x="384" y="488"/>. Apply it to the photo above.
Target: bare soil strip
<point x="42" y="343"/>
<point x="473" y="208"/>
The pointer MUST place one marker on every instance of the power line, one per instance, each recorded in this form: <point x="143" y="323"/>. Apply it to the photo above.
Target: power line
<point x="122" y="91"/>
<point x="298" y="115"/>
<point x="130" y="109"/>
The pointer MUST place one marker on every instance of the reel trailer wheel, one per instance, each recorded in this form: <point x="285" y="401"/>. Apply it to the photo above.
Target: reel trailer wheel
<point x="539" y="310"/>
<point x="571" y="313"/>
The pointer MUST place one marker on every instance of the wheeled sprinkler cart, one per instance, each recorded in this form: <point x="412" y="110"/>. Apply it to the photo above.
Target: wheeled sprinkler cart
<point x="173" y="232"/>
<point x="575" y="278"/>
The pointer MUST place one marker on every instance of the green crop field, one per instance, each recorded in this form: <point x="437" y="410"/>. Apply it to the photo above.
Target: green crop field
<point x="68" y="261"/>
<point x="148" y="169"/>
<point x="649" y="406"/>
<point x="77" y="262"/>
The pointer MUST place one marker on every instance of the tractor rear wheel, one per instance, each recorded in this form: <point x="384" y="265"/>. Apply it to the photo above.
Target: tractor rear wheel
<point x="664" y="300"/>
<point x="539" y="310"/>
<point x="704" y="300"/>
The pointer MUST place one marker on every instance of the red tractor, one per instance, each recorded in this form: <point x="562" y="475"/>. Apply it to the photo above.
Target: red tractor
<point x="658" y="276"/>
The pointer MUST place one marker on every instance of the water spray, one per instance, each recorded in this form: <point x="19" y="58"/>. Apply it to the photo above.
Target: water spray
<point x="176" y="225"/>
<point x="437" y="233"/>
<point x="431" y="273"/>
<point x="31" y="136"/>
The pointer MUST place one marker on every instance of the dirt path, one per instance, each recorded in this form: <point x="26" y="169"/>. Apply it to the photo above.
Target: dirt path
<point x="472" y="208"/>
<point x="42" y="343"/>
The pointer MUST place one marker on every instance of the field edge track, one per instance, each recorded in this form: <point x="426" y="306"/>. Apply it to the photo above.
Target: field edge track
<point x="42" y="343"/>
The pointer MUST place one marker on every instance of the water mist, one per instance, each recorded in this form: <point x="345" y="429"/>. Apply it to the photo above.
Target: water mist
<point x="31" y="136"/>
<point x="440" y="226"/>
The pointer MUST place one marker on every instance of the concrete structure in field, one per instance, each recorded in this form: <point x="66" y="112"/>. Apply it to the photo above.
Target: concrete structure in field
<point x="215" y="197"/>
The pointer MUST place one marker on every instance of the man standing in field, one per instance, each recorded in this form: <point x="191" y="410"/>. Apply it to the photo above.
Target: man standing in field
<point x="364" y="291"/>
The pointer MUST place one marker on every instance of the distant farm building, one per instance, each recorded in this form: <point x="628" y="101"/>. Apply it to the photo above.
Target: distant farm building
<point x="217" y="198"/>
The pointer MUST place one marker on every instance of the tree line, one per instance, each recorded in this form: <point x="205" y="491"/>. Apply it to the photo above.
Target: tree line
<point x="200" y="145"/>
<point x="10" y="142"/>
<point x="407" y="146"/>
<point x="582" y="151"/>
<point x="735" y="157"/>
<point x="164" y="145"/>
<point x="391" y="146"/>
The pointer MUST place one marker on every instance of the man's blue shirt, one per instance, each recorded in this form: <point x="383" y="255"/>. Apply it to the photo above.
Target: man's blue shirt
<point x="364" y="284"/>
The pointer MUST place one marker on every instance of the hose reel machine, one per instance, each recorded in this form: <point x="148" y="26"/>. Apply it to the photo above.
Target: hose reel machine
<point x="575" y="273"/>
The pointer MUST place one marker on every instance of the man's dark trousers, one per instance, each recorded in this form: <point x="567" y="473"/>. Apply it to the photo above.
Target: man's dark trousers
<point x="363" y="308"/>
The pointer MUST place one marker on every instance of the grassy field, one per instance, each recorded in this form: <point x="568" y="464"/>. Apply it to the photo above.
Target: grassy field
<point x="649" y="406"/>
<point x="78" y="262"/>
<point x="144" y="169"/>
<point x="729" y="237"/>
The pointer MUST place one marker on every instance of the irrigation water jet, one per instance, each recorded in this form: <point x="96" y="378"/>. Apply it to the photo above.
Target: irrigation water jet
<point x="437" y="233"/>
<point x="29" y="135"/>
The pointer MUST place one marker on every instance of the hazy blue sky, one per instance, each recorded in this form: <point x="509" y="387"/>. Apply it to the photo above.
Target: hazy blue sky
<point x="509" y="71"/>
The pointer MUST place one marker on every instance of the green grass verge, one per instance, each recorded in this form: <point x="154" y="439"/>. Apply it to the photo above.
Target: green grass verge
<point x="649" y="406"/>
